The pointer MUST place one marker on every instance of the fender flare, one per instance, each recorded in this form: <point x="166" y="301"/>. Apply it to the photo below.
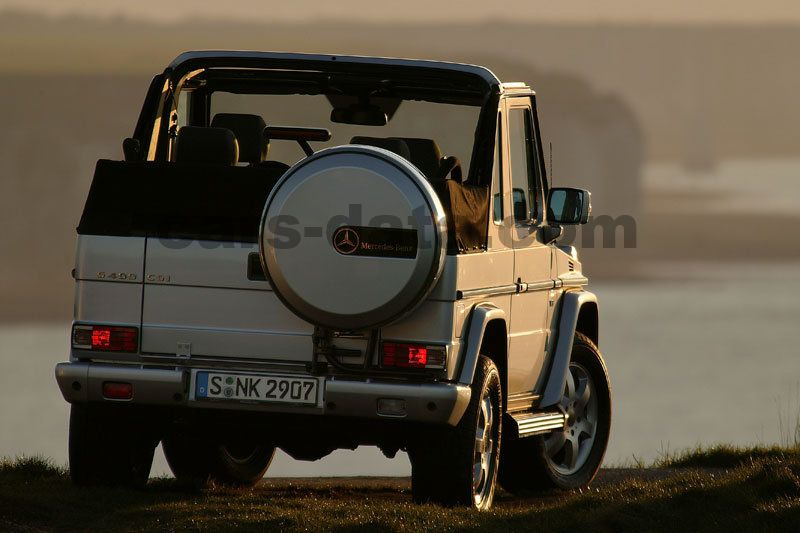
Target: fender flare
<point x="571" y="304"/>
<point x="481" y="315"/>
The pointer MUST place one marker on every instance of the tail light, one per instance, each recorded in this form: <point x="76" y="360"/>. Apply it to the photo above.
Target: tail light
<point x="105" y="338"/>
<point x="404" y="355"/>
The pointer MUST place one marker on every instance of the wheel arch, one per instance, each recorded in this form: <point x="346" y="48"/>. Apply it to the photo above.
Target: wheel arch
<point x="578" y="312"/>
<point x="494" y="345"/>
<point x="588" y="321"/>
<point x="488" y="335"/>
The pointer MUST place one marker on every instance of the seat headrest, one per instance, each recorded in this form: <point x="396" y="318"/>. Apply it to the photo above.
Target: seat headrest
<point x="249" y="132"/>
<point x="425" y="154"/>
<point x="216" y="146"/>
<point x="397" y="146"/>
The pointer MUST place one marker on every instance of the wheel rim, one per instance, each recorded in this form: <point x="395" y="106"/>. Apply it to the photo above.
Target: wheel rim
<point x="568" y="450"/>
<point x="483" y="465"/>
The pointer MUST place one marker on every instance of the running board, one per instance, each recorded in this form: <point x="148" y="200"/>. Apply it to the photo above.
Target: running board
<point x="527" y="424"/>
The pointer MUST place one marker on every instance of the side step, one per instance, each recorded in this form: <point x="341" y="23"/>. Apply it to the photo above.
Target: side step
<point x="527" y="424"/>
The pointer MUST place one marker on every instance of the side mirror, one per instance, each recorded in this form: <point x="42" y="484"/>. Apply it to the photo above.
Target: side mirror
<point x="569" y="206"/>
<point x="132" y="149"/>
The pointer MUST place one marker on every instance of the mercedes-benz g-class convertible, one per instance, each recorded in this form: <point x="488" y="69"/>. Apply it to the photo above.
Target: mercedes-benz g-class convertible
<point x="312" y="252"/>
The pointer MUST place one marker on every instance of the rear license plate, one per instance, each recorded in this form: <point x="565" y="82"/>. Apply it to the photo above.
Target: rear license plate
<point x="256" y="388"/>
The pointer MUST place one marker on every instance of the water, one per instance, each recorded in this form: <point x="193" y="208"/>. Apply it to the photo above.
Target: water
<point x="697" y="356"/>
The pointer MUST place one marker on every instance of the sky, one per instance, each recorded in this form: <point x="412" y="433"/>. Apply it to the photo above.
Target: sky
<point x="576" y="11"/>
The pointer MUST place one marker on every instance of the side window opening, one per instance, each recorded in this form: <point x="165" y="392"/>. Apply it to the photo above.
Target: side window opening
<point x="183" y="109"/>
<point x="497" y="176"/>
<point x="524" y="176"/>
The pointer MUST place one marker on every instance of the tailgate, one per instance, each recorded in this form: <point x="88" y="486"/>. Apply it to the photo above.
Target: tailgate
<point x="210" y="298"/>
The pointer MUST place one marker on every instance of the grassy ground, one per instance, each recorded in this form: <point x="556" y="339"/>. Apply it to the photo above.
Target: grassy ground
<point x="713" y="489"/>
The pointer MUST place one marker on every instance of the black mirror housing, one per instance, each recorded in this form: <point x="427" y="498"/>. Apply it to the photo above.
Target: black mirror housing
<point x="360" y="114"/>
<point x="568" y="206"/>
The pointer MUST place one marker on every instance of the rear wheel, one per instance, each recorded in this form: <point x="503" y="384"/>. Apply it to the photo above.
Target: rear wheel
<point x="240" y="463"/>
<point x="109" y="446"/>
<point x="458" y="465"/>
<point x="568" y="458"/>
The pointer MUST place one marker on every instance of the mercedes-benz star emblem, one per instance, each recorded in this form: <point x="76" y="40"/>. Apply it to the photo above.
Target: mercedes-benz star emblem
<point x="345" y="241"/>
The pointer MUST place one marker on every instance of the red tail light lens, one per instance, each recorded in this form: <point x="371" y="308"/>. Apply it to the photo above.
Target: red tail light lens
<point x="405" y="355"/>
<point x="101" y="338"/>
<point x="105" y="338"/>
<point x="117" y="391"/>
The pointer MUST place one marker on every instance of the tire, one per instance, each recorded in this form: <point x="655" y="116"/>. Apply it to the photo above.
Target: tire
<point x="197" y="462"/>
<point x="447" y="466"/>
<point x="109" y="446"/>
<point x="346" y="176"/>
<point x="551" y="461"/>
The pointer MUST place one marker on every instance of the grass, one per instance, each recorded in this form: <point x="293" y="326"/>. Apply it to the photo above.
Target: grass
<point x="719" y="488"/>
<point x="725" y="456"/>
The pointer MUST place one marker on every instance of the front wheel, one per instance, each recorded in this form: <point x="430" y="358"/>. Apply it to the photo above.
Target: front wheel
<point x="458" y="465"/>
<point x="240" y="464"/>
<point x="568" y="458"/>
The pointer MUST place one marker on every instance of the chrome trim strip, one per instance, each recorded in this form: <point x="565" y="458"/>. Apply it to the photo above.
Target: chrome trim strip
<point x="539" y="285"/>
<point x="487" y="291"/>
<point x="506" y="289"/>
<point x="572" y="282"/>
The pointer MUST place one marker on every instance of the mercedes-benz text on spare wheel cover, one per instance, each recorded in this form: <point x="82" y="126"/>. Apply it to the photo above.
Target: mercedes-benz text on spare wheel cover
<point x="353" y="237"/>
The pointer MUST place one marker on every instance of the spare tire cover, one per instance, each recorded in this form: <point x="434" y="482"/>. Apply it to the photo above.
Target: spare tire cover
<point x="353" y="237"/>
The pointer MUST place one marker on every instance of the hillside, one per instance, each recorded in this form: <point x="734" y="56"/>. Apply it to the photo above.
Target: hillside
<point x="613" y="99"/>
<point x="718" y="490"/>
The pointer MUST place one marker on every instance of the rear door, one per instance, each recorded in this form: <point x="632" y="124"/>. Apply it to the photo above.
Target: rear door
<point x="532" y="258"/>
<point x="108" y="281"/>
<point x="172" y="248"/>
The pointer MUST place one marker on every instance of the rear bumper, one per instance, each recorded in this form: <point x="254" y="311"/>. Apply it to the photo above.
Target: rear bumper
<point x="438" y="403"/>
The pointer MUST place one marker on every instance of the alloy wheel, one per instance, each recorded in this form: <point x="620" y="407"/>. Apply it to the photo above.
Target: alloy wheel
<point x="485" y="444"/>
<point x="568" y="450"/>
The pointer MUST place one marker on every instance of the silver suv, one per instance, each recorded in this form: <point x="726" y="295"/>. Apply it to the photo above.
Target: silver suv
<point x="315" y="252"/>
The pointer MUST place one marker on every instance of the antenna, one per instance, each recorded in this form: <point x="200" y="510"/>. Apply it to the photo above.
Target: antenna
<point x="551" y="163"/>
